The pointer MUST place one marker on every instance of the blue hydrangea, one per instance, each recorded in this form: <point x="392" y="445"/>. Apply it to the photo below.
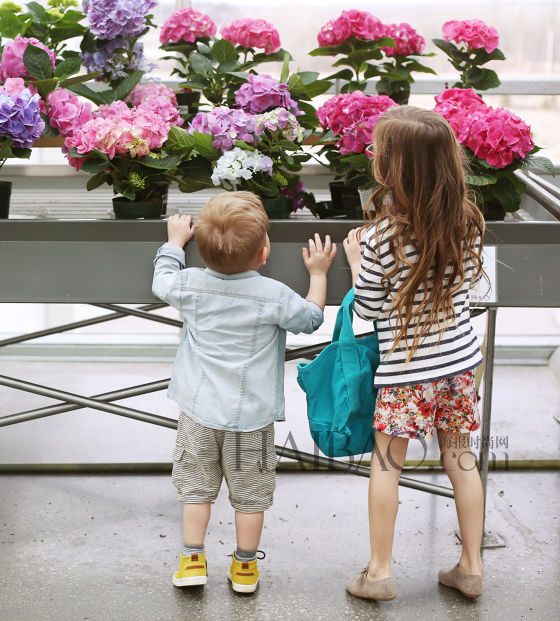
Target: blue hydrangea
<point x="20" y="118"/>
<point x="113" y="61"/>
<point x="110" y="19"/>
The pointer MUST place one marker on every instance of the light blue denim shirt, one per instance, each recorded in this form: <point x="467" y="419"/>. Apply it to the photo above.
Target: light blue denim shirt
<point x="229" y="368"/>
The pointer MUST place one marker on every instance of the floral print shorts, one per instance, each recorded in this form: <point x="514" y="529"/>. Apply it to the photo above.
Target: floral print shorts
<point x="413" y="411"/>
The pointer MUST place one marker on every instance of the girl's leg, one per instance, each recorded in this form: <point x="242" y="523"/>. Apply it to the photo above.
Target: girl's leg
<point x="387" y="462"/>
<point x="195" y="523"/>
<point x="248" y="528"/>
<point x="460" y="465"/>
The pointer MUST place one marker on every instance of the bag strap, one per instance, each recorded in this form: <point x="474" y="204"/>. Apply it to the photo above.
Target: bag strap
<point x="343" y="330"/>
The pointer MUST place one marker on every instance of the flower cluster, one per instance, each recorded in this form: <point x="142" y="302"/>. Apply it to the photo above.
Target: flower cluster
<point x="110" y="19"/>
<point x="495" y="135"/>
<point x="474" y="32"/>
<point x="187" y="25"/>
<point x="353" y="23"/>
<point x="252" y="33"/>
<point x="20" y="118"/>
<point x="295" y="195"/>
<point x="66" y="112"/>
<point x="117" y="130"/>
<point x="225" y="125"/>
<point x="160" y="97"/>
<point x="114" y="59"/>
<point x="352" y="116"/>
<point x="279" y="120"/>
<point x="262" y="92"/>
<point x="12" y="57"/>
<point x="407" y="40"/>
<point x="239" y="164"/>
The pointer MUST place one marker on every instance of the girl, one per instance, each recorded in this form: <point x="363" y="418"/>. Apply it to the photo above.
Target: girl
<point x="412" y="268"/>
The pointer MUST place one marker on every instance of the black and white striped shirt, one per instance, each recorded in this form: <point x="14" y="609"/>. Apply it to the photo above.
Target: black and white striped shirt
<point x="457" y="350"/>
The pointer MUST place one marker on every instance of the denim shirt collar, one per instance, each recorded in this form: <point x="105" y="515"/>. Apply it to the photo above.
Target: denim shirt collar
<point x="247" y="274"/>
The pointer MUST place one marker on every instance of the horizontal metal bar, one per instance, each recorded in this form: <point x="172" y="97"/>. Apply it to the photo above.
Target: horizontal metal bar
<point x="549" y="187"/>
<point x="139" y="313"/>
<point x="37" y="389"/>
<point x="547" y="200"/>
<point x="28" y="336"/>
<point x="116" y="395"/>
<point x="362" y="471"/>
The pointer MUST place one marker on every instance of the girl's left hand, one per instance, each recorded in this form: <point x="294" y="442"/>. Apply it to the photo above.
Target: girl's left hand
<point x="352" y="247"/>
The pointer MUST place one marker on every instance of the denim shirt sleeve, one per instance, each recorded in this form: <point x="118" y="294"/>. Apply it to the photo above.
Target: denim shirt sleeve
<point x="297" y="314"/>
<point x="169" y="262"/>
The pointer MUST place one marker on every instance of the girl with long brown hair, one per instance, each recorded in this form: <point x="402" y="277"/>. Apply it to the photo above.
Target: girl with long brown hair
<point x="413" y="265"/>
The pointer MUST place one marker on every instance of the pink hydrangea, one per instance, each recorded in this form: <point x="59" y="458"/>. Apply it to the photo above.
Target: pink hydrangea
<point x="252" y="33"/>
<point x="12" y="57"/>
<point x="353" y="23"/>
<point x="340" y="112"/>
<point x="117" y="109"/>
<point x="167" y="101"/>
<point x="492" y="134"/>
<point x="187" y="25"/>
<point x="474" y="32"/>
<point x="66" y="112"/>
<point x="164" y="109"/>
<point x="407" y="40"/>
<point x="14" y="86"/>
<point x="262" y="92"/>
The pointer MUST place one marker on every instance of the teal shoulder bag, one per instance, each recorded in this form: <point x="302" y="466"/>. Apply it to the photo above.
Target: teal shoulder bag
<point x="339" y="389"/>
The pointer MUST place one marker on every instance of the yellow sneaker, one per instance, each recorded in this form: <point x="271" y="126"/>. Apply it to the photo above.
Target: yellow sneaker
<point x="244" y="575"/>
<point x="192" y="571"/>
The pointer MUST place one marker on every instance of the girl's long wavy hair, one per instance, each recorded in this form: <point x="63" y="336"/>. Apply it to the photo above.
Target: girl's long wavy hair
<point x="419" y="167"/>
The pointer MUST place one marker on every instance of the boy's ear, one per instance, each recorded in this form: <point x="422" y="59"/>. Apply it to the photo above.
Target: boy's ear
<point x="264" y="254"/>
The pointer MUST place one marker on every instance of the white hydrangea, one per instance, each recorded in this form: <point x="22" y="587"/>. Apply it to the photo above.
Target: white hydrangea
<point x="238" y="164"/>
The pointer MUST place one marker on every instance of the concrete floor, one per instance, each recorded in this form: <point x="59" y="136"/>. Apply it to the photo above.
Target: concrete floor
<point x="104" y="548"/>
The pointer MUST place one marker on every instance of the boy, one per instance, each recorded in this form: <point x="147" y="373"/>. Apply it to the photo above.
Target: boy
<point x="228" y="376"/>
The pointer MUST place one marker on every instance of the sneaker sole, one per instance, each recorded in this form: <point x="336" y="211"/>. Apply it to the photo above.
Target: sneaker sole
<point x="193" y="581"/>
<point x="242" y="588"/>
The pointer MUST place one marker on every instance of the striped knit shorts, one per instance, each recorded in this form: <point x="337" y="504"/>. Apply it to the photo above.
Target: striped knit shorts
<point x="204" y="456"/>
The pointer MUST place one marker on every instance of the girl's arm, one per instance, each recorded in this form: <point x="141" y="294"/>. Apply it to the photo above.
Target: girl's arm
<point x="367" y="275"/>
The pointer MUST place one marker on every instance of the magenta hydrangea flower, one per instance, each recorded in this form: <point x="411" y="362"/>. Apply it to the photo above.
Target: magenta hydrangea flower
<point x="295" y="195"/>
<point x="495" y="135"/>
<point x="353" y="23"/>
<point x="407" y="40"/>
<point x="12" y="57"/>
<point x="262" y="92"/>
<point x="226" y="125"/>
<point x="252" y="33"/>
<point x="474" y="32"/>
<point x="66" y="112"/>
<point x="187" y="25"/>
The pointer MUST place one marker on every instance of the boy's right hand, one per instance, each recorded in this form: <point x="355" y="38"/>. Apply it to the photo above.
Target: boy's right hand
<point x="179" y="229"/>
<point x="318" y="259"/>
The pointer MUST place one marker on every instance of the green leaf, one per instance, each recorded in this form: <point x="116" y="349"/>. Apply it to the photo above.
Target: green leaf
<point x="10" y="24"/>
<point x="331" y="50"/>
<point x="201" y="64"/>
<point x="414" y="65"/>
<point x="372" y="71"/>
<point x="45" y="86"/>
<point x="482" y="79"/>
<point x="48" y="132"/>
<point x="67" y="67"/>
<point x="95" y="181"/>
<point x="481" y="56"/>
<point x="451" y="50"/>
<point x="227" y="66"/>
<point x="98" y="97"/>
<point x="223" y="50"/>
<point x="72" y="16"/>
<point x="317" y="88"/>
<point x="39" y="13"/>
<point x="86" y="77"/>
<point x="479" y="180"/>
<point x="64" y="33"/>
<point x="288" y="144"/>
<point x="244" y="75"/>
<point x="164" y="163"/>
<point x="343" y="74"/>
<point x="285" y="69"/>
<point x="538" y="165"/>
<point x="37" y="63"/>
<point x="94" y="166"/>
<point x="203" y="146"/>
<point x="179" y="141"/>
<point x="197" y="82"/>
<point x="125" y="87"/>
<point x="196" y="175"/>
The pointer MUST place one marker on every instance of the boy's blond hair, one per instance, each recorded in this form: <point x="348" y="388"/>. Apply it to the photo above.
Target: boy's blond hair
<point x="230" y="230"/>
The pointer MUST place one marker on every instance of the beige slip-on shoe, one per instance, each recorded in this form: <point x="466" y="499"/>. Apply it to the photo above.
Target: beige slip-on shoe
<point x="470" y="585"/>
<point x="380" y="590"/>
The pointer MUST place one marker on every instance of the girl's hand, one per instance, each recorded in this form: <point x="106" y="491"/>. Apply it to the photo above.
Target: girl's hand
<point x="352" y="248"/>
<point x="318" y="259"/>
<point x="179" y="229"/>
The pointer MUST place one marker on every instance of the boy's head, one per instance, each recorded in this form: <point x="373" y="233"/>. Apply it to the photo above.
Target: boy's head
<point x="231" y="232"/>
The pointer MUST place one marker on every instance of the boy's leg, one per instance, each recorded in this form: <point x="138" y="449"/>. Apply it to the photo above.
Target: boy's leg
<point x="248" y="529"/>
<point x="195" y="523"/>
<point x="387" y="462"/>
<point x="460" y="465"/>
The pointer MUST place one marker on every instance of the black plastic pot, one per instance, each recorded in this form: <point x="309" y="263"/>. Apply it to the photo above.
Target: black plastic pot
<point x="277" y="208"/>
<point x="5" y="194"/>
<point x="345" y="199"/>
<point x="126" y="209"/>
<point x="187" y="103"/>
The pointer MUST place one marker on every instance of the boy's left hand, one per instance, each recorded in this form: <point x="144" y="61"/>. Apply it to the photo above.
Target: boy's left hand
<point x="179" y="229"/>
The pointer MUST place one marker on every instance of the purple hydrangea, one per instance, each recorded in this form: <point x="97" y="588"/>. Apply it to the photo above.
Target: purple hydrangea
<point x="20" y="119"/>
<point x="225" y="125"/>
<point x="113" y="60"/>
<point x="262" y="92"/>
<point x="109" y="19"/>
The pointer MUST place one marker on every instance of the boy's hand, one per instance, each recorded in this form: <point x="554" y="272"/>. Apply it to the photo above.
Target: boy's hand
<point x="352" y="247"/>
<point x="179" y="229"/>
<point x="318" y="259"/>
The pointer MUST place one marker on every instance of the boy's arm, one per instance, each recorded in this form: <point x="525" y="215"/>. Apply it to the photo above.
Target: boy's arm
<point x="170" y="260"/>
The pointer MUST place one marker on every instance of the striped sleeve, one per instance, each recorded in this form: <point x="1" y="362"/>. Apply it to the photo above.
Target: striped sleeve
<point x="369" y="293"/>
